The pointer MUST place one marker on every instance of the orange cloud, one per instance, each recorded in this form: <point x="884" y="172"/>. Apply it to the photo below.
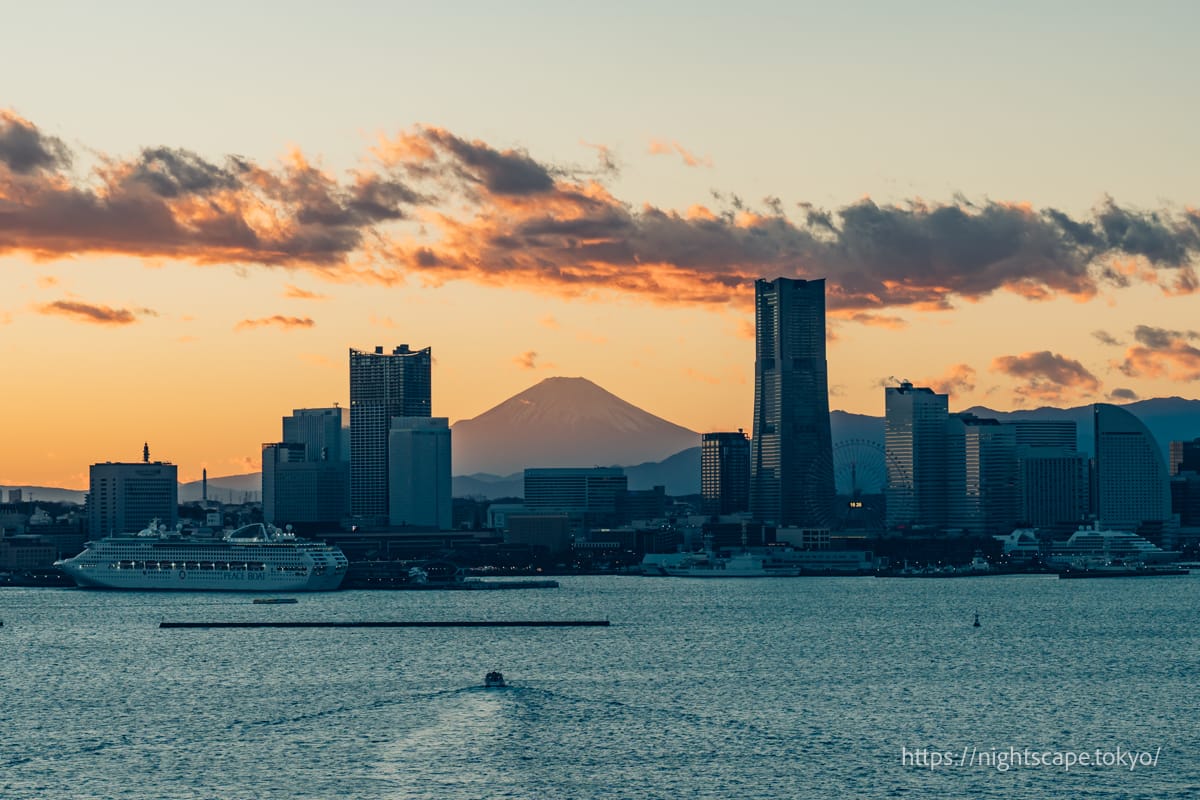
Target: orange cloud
<point x="867" y="318"/>
<point x="296" y="293"/>
<point x="287" y="323"/>
<point x="697" y="375"/>
<point x="529" y="360"/>
<point x="88" y="312"/>
<point x="1161" y="352"/>
<point x="661" y="148"/>
<point x="957" y="379"/>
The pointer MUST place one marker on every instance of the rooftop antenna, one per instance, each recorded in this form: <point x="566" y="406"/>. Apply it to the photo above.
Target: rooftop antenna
<point x="146" y="452"/>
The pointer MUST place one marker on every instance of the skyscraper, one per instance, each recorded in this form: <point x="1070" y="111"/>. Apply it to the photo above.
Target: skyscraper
<point x="791" y="458"/>
<point x="419" y="472"/>
<point x="725" y="473"/>
<point x="1131" y="475"/>
<point x="981" y="471"/>
<point x="382" y="386"/>
<point x="915" y="446"/>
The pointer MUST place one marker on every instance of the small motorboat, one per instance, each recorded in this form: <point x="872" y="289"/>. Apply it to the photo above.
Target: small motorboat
<point x="494" y="680"/>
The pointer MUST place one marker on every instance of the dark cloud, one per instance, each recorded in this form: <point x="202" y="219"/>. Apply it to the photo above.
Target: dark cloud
<point x="95" y="314"/>
<point x="1159" y="238"/>
<point x="501" y="217"/>
<point x="508" y="172"/>
<point x="1122" y="394"/>
<point x="173" y="173"/>
<point x="1047" y="376"/>
<point x="1104" y="337"/>
<point x="1160" y="338"/>
<point x="25" y="149"/>
<point x="169" y="202"/>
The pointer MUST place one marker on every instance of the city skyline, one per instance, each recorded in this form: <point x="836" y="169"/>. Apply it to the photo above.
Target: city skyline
<point x="1017" y="232"/>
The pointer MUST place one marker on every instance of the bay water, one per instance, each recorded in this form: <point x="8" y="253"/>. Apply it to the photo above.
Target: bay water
<point x="721" y="688"/>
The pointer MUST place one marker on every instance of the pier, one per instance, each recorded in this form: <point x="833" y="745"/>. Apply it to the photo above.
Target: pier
<point x="562" y="623"/>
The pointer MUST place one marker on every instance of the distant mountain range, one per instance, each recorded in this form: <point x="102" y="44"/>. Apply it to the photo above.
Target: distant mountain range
<point x="573" y="422"/>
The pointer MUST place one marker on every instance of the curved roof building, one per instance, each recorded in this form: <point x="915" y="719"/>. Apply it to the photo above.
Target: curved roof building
<point x="1132" y="486"/>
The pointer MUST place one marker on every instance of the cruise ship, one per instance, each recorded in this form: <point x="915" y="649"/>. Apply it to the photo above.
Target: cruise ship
<point x="254" y="558"/>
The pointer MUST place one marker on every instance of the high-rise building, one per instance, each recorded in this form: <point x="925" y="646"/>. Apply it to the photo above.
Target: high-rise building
<point x="382" y="386"/>
<point x="1185" y="481"/>
<point x="1052" y="475"/>
<point x="725" y="473"/>
<point x="1185" y="457"/>
<point x="981" y="475"/>
<point x="306" y="477"/>
<point x="419" y="472"/>
<point x="126" y="497"/>
<point x="791" y="454"/>
<point x="324" y="432"/>
<point x="1132" y="485"/>
<point x="915" y="422"/>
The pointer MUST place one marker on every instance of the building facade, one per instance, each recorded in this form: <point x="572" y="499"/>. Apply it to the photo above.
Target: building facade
<point x="126" y="497"/>
<point x="1185" y="457"/>
<point x="419" y="475"/>
<point x="382" y="386"/>
<point x="981" y="471"/>
<point x="791" y="454"/>
<point x="725" y="473"/>
<point x="306" y="477"/>
<point x="1132" y="485"/>
<point x="1053" y="485"/>
<point x="324" y="432"/>
<point x="587" y="495"/>
<point x="917" y="490"/>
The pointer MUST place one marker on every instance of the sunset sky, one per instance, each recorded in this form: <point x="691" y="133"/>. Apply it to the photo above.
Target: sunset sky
<point x="201" y="210"/>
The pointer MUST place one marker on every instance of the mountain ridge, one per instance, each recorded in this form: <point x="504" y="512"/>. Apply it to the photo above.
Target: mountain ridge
<point x="564" y="422"/>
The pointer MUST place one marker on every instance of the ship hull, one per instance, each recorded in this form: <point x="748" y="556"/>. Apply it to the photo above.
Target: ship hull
<point x="158" y="560"/>
<point x="199" y="581"/>
<point x="729" y="573"/>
